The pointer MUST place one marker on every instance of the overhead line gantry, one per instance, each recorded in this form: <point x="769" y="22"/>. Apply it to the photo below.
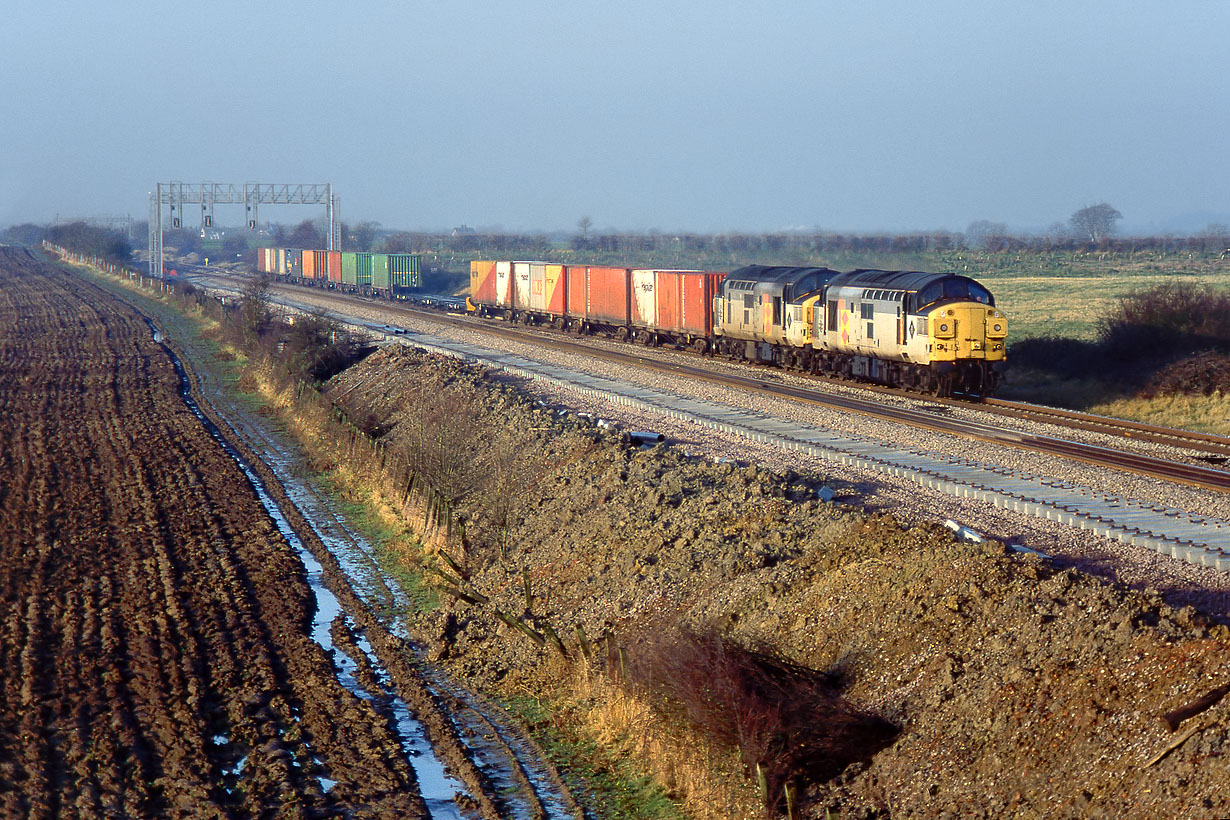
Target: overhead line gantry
<point x="249" y="194"/>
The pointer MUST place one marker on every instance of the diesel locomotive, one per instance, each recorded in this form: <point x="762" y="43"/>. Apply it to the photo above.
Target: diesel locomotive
<point x="936" y="333"/>
<point x="931" y="332"/>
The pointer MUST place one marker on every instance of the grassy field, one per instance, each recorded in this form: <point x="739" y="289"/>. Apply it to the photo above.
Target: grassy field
<point x="1065" y="295"/>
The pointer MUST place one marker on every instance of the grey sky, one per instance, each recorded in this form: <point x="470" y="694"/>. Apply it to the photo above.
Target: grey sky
<point x="670" y="115"/>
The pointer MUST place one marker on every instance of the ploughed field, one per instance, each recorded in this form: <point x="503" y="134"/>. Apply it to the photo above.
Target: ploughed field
<point x="156" y="657"/>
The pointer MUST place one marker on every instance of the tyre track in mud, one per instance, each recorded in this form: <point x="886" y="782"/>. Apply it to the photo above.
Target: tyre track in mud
<point x="459" y="726"/>
<point x="395" y="653"/>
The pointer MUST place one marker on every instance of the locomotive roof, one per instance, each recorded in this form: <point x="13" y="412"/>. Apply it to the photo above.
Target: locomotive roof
<point x="774" y="273"/>
<point x="910" y="280"/>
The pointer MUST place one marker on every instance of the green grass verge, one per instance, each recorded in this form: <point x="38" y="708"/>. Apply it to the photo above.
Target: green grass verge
<point x="612" y="787"/>
<point x="388" y="541"/>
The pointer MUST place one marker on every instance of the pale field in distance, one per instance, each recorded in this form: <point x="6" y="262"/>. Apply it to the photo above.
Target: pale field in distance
<point x="1069" y="301"/>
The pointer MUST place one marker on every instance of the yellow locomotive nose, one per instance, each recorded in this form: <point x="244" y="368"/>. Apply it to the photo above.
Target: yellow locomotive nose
<point x="997" y="324"/>
<point x="968" y="330"/>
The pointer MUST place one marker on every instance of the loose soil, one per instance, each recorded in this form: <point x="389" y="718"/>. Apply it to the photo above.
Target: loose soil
<point x="155" y="649"/>
<point x="1016" y="689"/>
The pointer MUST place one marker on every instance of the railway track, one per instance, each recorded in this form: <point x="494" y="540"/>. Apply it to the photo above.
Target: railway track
<point x="926" y="413"/>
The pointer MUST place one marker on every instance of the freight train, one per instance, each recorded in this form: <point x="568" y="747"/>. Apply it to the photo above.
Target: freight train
<point x="936" y="333"/>
<point x="385" y="275"/>
<point x="931" y="332"/>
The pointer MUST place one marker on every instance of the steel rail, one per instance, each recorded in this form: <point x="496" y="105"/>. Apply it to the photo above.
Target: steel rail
<point x="1183" y="473"/>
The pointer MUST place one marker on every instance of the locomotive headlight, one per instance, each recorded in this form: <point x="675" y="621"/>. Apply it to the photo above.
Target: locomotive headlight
<point x="944" y="323"/>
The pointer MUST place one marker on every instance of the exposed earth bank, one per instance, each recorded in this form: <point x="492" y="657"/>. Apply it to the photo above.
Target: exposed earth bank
<point x="1011" y="688"/>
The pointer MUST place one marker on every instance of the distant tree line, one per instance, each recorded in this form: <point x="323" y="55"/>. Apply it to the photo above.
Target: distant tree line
<point x="27" y="234"/>
<point x="1090" y="228"/>
<point x="91" y="241"/>
<point x="1214" y="240"/>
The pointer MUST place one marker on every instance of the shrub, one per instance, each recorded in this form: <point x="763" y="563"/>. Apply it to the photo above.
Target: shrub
<point x="789" y="723"/>
<point x="1203" y="374"/>
<point x="1167" y="321"/>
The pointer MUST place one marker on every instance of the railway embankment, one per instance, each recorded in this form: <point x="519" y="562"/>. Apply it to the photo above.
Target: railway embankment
<point x="673" y="607"/>
<point x="943" y="678"/>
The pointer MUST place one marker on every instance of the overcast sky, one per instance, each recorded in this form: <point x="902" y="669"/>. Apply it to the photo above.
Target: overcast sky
<point x="701" y="116"/>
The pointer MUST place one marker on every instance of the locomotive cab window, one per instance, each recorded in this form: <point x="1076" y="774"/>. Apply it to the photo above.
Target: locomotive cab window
<point x="952" y="289"/>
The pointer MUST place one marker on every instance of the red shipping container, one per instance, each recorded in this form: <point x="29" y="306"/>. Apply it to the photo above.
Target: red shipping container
<point x="694" y="316"/>
<point x="675" y="302"/>
<point x="314" y="264"/>
<point x="575" y="277"/>
<point x="608" y="296"/>
<point x="333" y="266"/>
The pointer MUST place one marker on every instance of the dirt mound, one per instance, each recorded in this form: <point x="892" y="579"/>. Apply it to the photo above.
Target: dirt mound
<point x="1018" y="689"/>
<point x="1203" y="374"/>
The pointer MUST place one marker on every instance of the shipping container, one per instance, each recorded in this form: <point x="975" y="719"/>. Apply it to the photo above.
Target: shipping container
<point x="380" y="271"/>
<point x="314" y="265"/>
<point x="262" y="260"/>
<point x="521" y="285"/>
<point x="574" y="290"/>
<point x="404" y="271"/>
<point x="349" y="268"/>
<point x="547" y="289"/>
<point x="333" y="266"/>
<point x="675" y="303"/>
<point x="363" y="269"/>
<point x="279" y="265"/>
<point x="482" y="282"/>
<point x="608" y="296"/>
<point x="294" y="262"/>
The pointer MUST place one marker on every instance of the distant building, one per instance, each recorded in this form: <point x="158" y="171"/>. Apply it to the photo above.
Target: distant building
<point x="463" y="230"/>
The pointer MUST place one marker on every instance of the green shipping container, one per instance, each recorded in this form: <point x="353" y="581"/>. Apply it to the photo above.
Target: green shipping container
<point x="404" y="270"/>
<point x="363" y="269"/>
<point x="380" y="271"/>
<point x="349" y="267"/>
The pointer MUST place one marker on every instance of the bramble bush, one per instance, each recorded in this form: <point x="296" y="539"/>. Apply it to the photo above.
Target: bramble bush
<point x="789" y="723"/>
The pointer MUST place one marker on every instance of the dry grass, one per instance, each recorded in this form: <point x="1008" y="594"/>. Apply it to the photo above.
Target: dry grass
<point x="1071" y="305"/>
<point x="1205" y="414"/>
<point x="709" y="782"/>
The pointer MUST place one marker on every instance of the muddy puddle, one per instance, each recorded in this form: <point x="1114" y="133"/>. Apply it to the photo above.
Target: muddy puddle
<point x="437" y="788"/>
<point x="488" y="737"/>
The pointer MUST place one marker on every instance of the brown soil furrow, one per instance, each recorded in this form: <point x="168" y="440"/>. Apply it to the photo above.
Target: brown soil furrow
<point x="156" y="626"/>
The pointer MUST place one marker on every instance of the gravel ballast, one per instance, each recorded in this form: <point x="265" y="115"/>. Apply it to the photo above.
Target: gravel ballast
<point x="1181" y="583"/>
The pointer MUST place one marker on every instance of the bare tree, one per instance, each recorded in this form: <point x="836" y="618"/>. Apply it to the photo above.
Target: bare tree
<point x="980" y="230"/>
<point x="583" y="225"/>
<point x="1095" y="222"/>
<point x="400" y="242"/>
<point x="363" y="235"/>
<point x="306" y="235"/>
<point x="254" y="307"/>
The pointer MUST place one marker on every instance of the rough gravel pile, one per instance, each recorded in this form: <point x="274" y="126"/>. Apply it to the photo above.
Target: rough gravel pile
<point x="1019" y="689"/>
